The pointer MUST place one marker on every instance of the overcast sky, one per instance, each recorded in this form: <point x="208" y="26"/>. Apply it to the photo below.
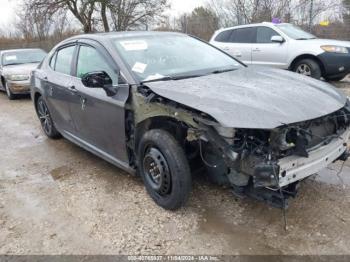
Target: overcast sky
<point x="8" y="7"/>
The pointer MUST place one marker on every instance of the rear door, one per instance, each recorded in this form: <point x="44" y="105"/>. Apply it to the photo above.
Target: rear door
<point x="267" y="53"/>
<point x="99" y="120"/>
<point x="57" y="84"/>
<point x="238" y="43"/>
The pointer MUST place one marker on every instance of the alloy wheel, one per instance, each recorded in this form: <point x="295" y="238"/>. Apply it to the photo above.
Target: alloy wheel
<point x="304" y="69"/>
<point x="8" y="92"/>
<point x="44" y="117"/>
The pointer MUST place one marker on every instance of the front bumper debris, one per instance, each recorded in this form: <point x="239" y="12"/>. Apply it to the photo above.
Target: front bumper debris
<point x="295" y="168"/>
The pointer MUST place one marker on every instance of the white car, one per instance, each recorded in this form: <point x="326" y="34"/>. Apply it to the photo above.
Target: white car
<point x="286" y="46"/>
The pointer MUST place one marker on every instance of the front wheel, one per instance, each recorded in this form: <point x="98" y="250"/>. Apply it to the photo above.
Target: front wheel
<point x="308" y="67"/>
<point x="9" y="93"/>
<point x="46" y="120"/>
<point x="164" y="169"/>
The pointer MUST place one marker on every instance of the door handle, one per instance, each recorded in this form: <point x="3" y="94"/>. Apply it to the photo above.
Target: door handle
<point x="256" y="50"/>
<point x="72" y="89"/>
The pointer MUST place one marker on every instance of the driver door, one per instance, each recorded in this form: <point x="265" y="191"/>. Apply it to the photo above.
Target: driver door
<point x="267" y="53"/>
<point x="99" y="120"/>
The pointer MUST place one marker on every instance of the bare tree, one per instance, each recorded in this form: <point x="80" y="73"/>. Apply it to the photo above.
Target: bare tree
<point x="120" y="14"/>
<point x="33" y="23"/>
<point x="202" y="22"/>
<point x="233" y="12"/>
<point x="129" y="14"/>
<point x="83" y="10"/>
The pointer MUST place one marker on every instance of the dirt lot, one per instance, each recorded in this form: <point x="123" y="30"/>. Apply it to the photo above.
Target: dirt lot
<point x="56" y="198"/>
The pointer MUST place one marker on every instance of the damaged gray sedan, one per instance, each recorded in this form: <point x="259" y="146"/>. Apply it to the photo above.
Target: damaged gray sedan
<point x="167" y="105"/>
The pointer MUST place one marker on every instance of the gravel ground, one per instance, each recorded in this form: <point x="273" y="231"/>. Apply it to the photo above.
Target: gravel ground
<point x="56" y="198"/>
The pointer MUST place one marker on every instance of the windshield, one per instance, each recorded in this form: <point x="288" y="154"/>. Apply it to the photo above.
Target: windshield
<point x="170" y="56"/>
<point x="23" y="57"/>
<point x="295" y="32"/>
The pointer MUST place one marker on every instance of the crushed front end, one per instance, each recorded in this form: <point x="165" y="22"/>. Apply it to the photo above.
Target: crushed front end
<point x="269" y="164"/>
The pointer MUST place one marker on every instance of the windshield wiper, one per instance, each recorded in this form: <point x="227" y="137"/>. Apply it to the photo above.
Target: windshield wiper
<point x="306" y="38"/>
<point x="171" y="78"/>
<point x="13" y="64"/>
<point x="223" y="71"/>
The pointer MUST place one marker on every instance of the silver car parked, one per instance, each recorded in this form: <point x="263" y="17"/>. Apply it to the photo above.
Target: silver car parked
<point x="286" y="46"/>
<point x="15" y="68"/>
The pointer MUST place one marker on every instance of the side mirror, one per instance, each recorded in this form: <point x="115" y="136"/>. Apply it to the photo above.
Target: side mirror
<point x="277" y="39"/>
<point x="99" y="79"/>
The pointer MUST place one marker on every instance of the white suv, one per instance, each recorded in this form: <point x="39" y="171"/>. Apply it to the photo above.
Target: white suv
<point x="286" y="46"/>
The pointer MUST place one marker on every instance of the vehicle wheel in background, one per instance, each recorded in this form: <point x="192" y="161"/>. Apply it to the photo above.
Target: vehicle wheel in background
<point x="10" y="95"/>
<point x="46" y="120"/>
<point x="308" y="67"/>
<point x="164" y="169"/>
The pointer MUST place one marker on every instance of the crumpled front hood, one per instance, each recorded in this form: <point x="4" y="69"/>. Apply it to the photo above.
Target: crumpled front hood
<point x="23" y="69"/>
<point x="254" y="97"/>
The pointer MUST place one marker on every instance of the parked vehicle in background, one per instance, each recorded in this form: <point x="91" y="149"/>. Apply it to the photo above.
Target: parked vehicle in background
<point x="15" y="68"/>
<point x="286" y="46"/>
<point x="163" y="104"/>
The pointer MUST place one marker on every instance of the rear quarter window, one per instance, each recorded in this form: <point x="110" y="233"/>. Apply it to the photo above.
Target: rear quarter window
<point x="223" y="36"/>
<point x="64" y="60"/>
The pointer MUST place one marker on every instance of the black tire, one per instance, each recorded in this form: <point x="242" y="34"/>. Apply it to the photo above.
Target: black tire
<point x="170" y="167"/>
<point x="335" y="78"/>
<point x="9" y="94"/>
<point x="308" y="67"/>
<point x="45" y="119"/>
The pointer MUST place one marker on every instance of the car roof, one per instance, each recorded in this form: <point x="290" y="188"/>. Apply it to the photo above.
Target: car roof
<point x="250" y="25"/>
<point x="2" y="52"/>
<point x="122" y="34"/>
<point x="19" y="50"/>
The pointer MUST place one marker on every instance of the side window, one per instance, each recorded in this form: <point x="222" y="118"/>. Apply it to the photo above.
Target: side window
<point x="264" y="35"/>
<point x="64" y="59"/>
<point x="53" y="61"/>
<point x="244" y="35"/>
<point x="224" y="36"/>
<point x="91" y="60"/>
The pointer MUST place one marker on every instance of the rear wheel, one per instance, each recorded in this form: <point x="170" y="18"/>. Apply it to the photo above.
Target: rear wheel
<point x="308" y="67"/>
<point x="164" y="169"/>
<point x="10" y="95"/>
<point x="45" y="119"/>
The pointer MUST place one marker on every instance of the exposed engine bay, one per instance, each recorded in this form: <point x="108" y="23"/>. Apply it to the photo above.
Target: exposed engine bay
<point x="268" y="164"/>
<point x="265" y="164"/>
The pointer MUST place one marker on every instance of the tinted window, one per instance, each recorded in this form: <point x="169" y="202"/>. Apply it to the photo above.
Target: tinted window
<point x="264" y="35"/>
<point x="244" y="35"/>
<point x="224" y="36"/>
<point x="64" y="60"/>
<point x="90" y="60"/>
